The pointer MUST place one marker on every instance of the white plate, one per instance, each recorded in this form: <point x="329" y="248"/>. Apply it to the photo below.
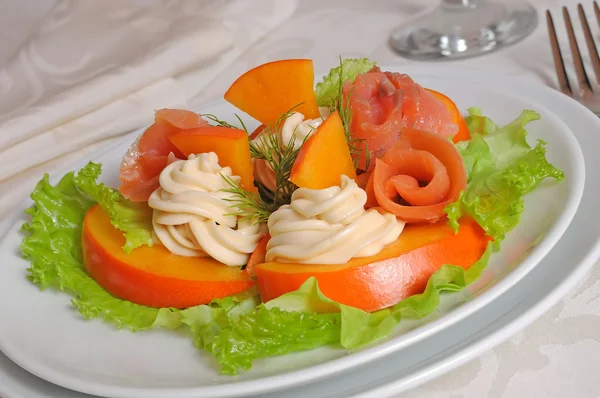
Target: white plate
<point x="154" y="364"/>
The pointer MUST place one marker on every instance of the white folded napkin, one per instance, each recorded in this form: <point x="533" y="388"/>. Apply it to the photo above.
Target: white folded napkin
<point x="96" y="70"/>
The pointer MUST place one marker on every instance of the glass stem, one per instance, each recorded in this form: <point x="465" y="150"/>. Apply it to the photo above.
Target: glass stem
<point x="459" y="3"/>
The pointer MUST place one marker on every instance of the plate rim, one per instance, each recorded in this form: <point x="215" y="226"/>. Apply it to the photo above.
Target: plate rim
<point x="277" y="382"/>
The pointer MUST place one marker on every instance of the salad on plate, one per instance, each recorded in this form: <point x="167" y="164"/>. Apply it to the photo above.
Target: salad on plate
<point x="352" y="206"/>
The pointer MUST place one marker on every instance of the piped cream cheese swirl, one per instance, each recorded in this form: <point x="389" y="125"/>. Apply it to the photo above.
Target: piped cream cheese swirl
<point x="329" y="226"/>
<point x="296" y="130"/>
<point x="192" y="215"/>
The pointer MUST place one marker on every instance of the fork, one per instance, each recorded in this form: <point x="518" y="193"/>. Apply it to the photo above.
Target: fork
<point x="585" y="93"/>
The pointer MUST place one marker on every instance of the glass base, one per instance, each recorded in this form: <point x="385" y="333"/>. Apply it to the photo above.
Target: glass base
<point x="464" y="30"/>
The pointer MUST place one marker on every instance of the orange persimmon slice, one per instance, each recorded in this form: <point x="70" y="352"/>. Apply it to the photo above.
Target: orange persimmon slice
<point x="258" y="255"/>
<point x="400" y="270"/>
<point x="463" y="133"/>
<point x="272" y="89"/>
<point x="231" y="146"/>
<point x="324" y="157"/>
<point x="152" y="276"/>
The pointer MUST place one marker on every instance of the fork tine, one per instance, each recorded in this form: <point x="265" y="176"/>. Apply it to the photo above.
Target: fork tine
<point x="589" y="40"/>
<point x="582" y="78"/>
<point x="559" y="64"/>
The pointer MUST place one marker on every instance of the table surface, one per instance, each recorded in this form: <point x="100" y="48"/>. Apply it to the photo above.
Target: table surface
<point x="559" y="354"/>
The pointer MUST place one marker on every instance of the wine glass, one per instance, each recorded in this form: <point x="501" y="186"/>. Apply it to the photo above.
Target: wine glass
<point x="464" y="28"/>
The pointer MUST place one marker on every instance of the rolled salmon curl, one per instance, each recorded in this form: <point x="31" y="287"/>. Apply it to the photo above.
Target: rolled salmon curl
<point x="263" y="173"/>
<point x="149" y="154"/>
<point x="421" y="109"/>
<point x="418" y="177"/>
<point x="384" y="103"/>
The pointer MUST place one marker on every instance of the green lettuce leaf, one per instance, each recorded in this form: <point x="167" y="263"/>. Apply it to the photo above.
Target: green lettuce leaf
<point x="133" y="219"/>
<point x="307" y="319"/>
<point x="53" y="246"/>
<point x="502" y="167"/>
<point x="237" y="330"/>
<point x="328" y="90"/>
<point x="263" y="333"/>
<point x="479" y="124"/>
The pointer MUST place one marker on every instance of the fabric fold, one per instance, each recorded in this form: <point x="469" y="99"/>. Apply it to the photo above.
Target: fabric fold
<point x="95" y="70"/>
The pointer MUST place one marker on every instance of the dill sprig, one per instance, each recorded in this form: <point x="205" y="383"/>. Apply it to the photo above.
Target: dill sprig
<point x="223" y="123"/>
<point x="247" y="205"/>
<point x="341" y="104"/>
<point x="280" y="157"/>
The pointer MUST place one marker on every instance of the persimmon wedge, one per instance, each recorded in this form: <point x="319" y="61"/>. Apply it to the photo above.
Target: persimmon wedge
<point x="463" y="133"/>
<point x="272" y="89"/>
<point x="231" y="146"/>
<point x="400" y="270"/>
<point x="152" y="276"/>
<point x="258" y="255"/>
<point x="257" y="131"/>
<point x="324" y="157"/>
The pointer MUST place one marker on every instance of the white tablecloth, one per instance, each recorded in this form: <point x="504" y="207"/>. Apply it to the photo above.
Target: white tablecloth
<point x="557" y="356"/>
<point x="77" y="73"/>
